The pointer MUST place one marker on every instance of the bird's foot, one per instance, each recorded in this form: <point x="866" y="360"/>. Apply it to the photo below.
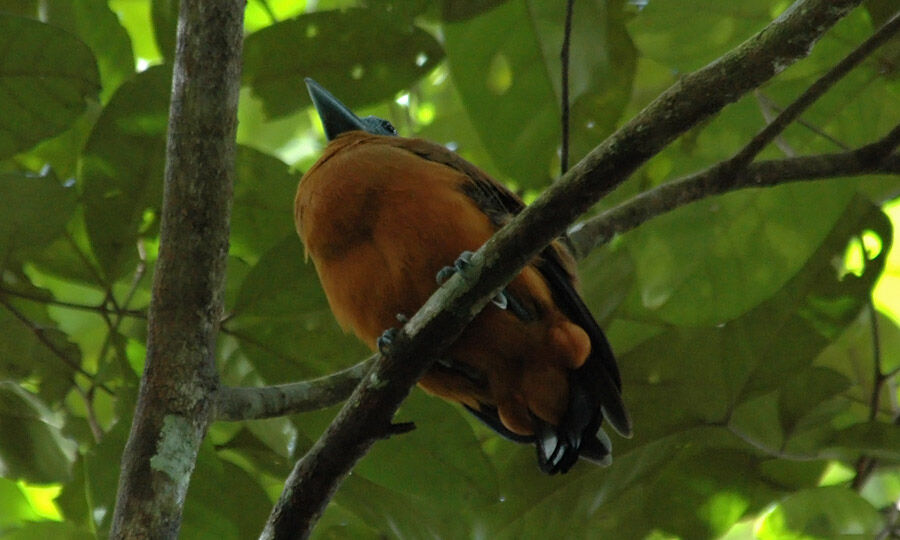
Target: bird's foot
<point x="386" y="339"/>
<point x="461" y="266"/>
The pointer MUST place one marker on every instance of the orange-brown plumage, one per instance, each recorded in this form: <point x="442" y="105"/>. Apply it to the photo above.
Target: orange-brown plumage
<point x="381" y="215"/>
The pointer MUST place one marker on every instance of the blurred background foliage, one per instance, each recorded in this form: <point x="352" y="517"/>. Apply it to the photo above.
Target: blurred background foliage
<point x="749" y="327"/>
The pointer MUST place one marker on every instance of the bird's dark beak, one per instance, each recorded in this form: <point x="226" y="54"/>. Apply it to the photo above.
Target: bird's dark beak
<point x="336" y="117"/>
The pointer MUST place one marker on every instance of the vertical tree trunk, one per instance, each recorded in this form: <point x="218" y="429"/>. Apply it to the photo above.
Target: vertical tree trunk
<point x="179" y="382"/>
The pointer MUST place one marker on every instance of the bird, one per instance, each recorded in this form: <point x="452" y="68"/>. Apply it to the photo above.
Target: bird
<point x="385" y="219"/>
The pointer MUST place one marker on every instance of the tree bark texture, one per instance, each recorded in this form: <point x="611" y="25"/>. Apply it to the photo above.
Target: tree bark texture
<point x="179" y="382"/>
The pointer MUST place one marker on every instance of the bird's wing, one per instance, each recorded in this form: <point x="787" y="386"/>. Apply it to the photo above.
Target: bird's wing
<point x="598" y="379"/>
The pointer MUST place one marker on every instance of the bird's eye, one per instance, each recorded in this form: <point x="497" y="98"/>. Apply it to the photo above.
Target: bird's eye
<point x="378" y="126"/>
<point x="387" y="126"/>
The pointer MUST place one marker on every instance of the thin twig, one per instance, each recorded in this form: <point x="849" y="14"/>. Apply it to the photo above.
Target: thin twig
<point x="269" y="11"/>
<point x="813" y="93"/>
<point x="87" y="397"/>
<point x="98" y="308"/>
<point x="866" y="465"/>
<point x="871" y="158"/>
<point x="769" y="113"/>
<point x="119" y="312"/>
<point x="564" y="57"/>
<point x="879" y="377"/>
<point x="88" y="263"/>
<point x="768" y="105"/>
<point x="42" y="337"/>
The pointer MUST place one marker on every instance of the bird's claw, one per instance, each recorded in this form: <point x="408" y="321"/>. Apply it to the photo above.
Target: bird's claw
<point x="386" y="339"/>
<point x="461" y="266"/>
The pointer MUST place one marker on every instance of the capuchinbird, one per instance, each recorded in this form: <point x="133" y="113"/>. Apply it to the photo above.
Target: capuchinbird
<point x="381" y="216"/>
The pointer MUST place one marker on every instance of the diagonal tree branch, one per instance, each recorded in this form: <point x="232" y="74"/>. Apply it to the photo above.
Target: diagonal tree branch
<point x="367" y="415"/>
<point x="248" y="403"/>
<point x="251" y="403"/>
<point x="813" y="93"/>
<point x="175" y="402"/>
<point x="874" y="158"/>
<point x="870" y="159"/>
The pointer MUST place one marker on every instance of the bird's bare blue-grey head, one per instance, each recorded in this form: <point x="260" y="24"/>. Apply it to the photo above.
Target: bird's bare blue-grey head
<point x="337" y="118"/>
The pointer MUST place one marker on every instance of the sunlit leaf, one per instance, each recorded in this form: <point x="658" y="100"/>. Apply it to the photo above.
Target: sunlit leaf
<point x="748" y="246"/>
<point x="31" y="446"/>
<point x="90" y="496"/>
<point x="16" y="508"/>
<point x="828" y="512"/>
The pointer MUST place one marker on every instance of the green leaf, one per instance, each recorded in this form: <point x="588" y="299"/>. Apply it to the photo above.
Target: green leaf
<point x="209" y="514"/>
<point x="709" y="371"/>
<point x="98" y="26"/>
<point x="135" y="16"/>
<point x="338" y="522"/>
<point x="36" y="210"/>
<point x="751" y="242"/>
<point x="503" y="81"/>
<point x="165" y="26"/>
<point x="362" y="56"/>
<point x="530" y="500"/>
<point x="392" y="512"/>
<point x="122" y="168"/>
<point x="262" y="214"/>
<point x="461" y="10"/>
<point x="250" y="453"/>
<point x="602" y="65"/>
<point x="31" y="446"/>
<point x="46" y="77"/>
<point x="19" y="7"/>
<point x="33" y="348"/>
<point x="279" y="434"/>
<point x="440" y="461"/>
<point x="49" y="529"/>
<point x="802" y="394"/>
<point x="875" y="439"/>
<point x="791" y="474"/>
<point x="827" y="512"/>
<point x="89" y="498"/>
<point x="689" y="34"/>
<point x="15" y="509"/>
<point x="284" y="325"/>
